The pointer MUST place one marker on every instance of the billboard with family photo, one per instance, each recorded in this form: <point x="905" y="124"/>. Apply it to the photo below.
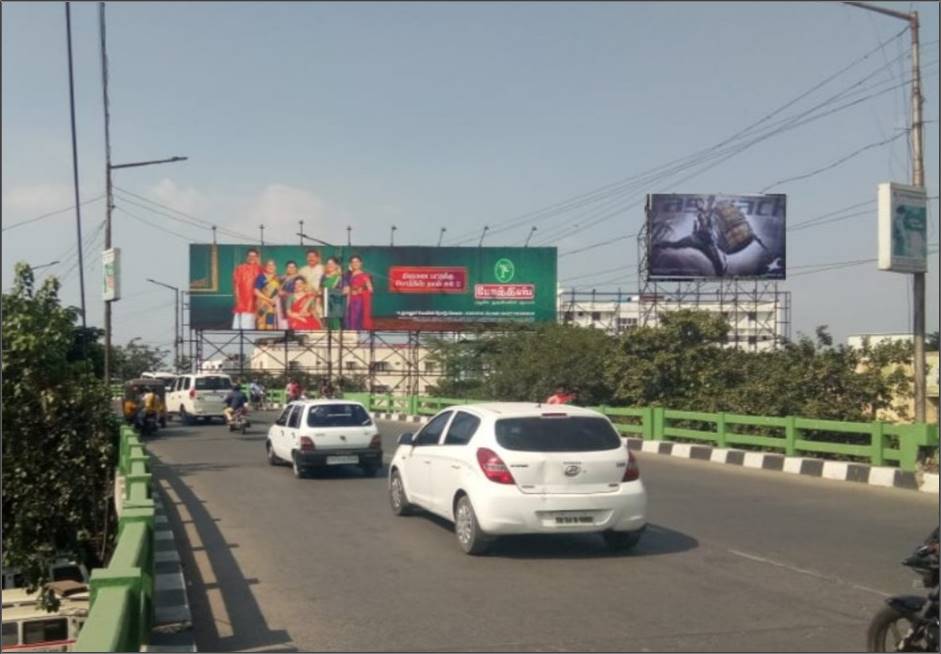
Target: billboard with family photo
<point x="290" y="287"/>
<point x="696" y="236"/>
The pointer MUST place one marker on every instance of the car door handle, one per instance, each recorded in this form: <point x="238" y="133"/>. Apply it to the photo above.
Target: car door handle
<point x="455" y="466"/>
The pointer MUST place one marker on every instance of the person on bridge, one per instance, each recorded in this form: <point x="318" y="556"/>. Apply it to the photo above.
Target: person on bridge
<point x="561" y="396"/>
<point x="234" y="401"/>
<point x="294" y="391"/>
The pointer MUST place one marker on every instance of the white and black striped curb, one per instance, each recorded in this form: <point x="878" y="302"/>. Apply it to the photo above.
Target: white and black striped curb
<point x="173" y="622"/>
<point x="836" y="470"/>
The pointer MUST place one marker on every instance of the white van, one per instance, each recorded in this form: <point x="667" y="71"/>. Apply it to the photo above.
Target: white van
<point x="166" y="377"/>
<point x="27" y="627"/>
<point x="199" y="395"/>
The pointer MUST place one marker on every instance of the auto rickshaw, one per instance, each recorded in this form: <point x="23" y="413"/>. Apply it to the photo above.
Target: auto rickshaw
<point x="134" y="390"/>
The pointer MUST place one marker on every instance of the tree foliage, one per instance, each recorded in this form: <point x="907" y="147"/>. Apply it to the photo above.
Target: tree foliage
<point x="129" y="361"/>
<point x="683" y="363"/>
<point x="59" y="434"/>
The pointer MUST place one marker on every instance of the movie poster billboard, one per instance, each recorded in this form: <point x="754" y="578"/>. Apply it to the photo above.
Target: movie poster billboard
<point x="290" y="287"/>
<point x="698" y="236"/>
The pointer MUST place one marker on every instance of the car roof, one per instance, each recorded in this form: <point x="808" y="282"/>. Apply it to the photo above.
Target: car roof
<point x="325" y="401"/>
<point x="524" y="409"/>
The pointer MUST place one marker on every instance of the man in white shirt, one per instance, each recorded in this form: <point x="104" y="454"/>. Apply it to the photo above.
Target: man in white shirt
<point x="312" y="274"/>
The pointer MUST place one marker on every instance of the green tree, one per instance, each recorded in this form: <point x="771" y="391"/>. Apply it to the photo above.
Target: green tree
<point x="129" y="361"/>
<point x="59" y="435"/>
<point x="932" y="341"/>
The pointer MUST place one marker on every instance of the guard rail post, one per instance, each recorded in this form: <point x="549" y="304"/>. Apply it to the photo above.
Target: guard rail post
<point x="878" y="443"/>
<point x="908" y="446"/>
<point x="790" y="435"/>
<point x="659" y="423"/>
<point x="646" y="421"/>
<point x="720" y="430"/>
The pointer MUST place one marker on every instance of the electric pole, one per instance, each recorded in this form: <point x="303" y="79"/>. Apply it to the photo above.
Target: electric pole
<point x="109" y="198"/>
<point x="918" y="180"/>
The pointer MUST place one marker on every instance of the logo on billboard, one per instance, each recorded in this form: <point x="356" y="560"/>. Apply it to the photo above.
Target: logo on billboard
<point x="504" y="270"/>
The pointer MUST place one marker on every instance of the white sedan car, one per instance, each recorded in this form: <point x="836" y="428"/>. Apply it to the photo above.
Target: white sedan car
<point x="514" y="468"/>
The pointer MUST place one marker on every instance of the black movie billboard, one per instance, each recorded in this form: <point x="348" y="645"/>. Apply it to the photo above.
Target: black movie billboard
<point x="711" y="236"/>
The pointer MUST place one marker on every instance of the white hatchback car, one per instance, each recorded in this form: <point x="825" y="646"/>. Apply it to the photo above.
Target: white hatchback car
<point x="515" y="468"/>
<point x="315" y="433"/>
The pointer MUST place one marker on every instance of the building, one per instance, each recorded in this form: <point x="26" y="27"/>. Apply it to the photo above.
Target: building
<point x="756" y="324"/>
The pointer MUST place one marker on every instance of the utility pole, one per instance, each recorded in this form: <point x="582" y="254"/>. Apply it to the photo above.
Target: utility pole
<point x="918" y="179"/>
<point x="261" y="228"/>
<point x="176" y="320"/>
<point x="78" y="211"/>
<point x="109" y="198"/>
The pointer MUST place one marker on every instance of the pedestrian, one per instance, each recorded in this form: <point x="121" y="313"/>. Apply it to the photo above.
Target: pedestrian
<point x="561" y="396"/>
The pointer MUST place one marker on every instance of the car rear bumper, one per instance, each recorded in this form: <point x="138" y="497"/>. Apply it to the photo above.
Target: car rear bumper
<point x="319" y="458"/>
<point x="509" y="511"/>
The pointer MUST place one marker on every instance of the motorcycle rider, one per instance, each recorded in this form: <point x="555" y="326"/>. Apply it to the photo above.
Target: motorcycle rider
<point x="234" y="401"/>
<point x="148" y="406"/>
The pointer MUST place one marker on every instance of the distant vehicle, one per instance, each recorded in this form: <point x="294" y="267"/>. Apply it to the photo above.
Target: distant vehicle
<point x="515" y="468"/>
<point x="61" y="569"/>
<point x="27" y="627"/>
<point x="132" y="390"/>
<point x="166" y="377"/>
<point x="316" y="433"/>
<point x="199" y="396"/>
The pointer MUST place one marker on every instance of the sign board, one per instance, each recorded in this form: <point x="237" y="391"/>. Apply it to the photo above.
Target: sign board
<point x="710" y="236"/>
<point x="903" y="223"/>
<point x="111" y="266"/>
<point x="407" y="288"/>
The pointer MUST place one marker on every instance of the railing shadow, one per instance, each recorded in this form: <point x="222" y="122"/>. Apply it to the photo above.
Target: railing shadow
<point x="246" y="619"/>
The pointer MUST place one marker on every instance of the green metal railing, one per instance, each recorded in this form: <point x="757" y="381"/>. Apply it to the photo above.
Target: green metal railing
<point x="121" y="613"/>
<point x="878" y="443"/>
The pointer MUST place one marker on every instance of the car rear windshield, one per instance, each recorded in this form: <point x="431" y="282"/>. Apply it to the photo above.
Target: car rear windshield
<point x="213" y="383"/>
<point x="338" y="415"/>
<point x="569" y="434"/>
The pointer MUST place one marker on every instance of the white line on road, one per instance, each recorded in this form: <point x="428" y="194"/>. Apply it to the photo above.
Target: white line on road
<point x="804" y="571"/>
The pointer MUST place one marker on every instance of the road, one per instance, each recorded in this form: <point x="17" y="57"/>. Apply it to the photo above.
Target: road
<point x="734" y="560"/>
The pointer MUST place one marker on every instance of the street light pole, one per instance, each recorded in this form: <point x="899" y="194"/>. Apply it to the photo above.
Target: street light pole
<point x="176" y="321"/>
<point x="531" y="232"/>
<point x="918" y="180"/>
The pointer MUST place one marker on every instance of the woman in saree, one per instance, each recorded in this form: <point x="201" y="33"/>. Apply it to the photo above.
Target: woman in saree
<point x="359" y="297"/>
<point x="267" y="288"/>
<point x="333" y="281"/>
<point x="301" y="311"/>
<point x="291" y="275"/>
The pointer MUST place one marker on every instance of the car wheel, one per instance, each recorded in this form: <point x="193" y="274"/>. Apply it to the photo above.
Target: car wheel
<point x="370" y="469"/>
<point x="397" y="497"/>
<point x="269" y="454"/>
<point x="469" y="534"/>
<point x="621" y="541"/>
<point x="299" y="471"/>
<point x="185" y="418"/>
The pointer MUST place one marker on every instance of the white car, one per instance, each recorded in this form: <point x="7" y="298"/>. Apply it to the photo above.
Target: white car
<point x="315" y="433"/>
<point x="199" y="396"/>
<point x="514" y="468"/>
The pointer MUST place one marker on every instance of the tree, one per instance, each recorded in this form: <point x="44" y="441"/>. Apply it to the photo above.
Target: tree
<point x="129" y="361"/>
<point x="932" y="341"/>
<point x="59" y="439"/>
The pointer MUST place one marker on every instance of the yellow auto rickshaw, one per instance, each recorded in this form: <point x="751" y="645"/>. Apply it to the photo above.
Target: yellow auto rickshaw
<point x="133" y="393"/>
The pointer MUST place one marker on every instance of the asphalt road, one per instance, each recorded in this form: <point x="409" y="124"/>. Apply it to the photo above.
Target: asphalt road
<point x="734" y="560"/>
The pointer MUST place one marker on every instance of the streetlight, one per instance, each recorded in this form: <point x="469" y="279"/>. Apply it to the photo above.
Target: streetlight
<point x="441" y="235"/>
<point x="315" y="240"/>
<point x="482" y="234"/>
<point x="918" y="179"/>
<point x="176" y="321"/>
<point x="392" y="235"/>
<point x="531" y="232"/>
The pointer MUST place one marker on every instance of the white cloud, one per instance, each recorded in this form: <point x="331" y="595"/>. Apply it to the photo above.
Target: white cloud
<point x="188" y="200"/>
<point x="280" y="205"/>
<point x="29" y="201"/>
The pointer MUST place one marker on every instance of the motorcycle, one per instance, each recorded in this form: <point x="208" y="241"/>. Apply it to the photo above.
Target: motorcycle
<point x="147" y="425"/>
<point x="240" y="421"/>
<point x="909" y="623"/>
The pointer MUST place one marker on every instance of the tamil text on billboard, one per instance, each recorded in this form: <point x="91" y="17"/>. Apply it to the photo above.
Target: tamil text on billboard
<point x="289" y="287"/>
<point x="695" y="236"/>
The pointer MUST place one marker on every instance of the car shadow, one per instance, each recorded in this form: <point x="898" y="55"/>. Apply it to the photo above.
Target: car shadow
<point x="656" y="540"/>
<point x="343" y="472"/>
<point x="246" y="622"/>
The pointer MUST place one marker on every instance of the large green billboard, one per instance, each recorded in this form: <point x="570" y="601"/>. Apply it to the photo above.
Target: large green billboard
<point x="281" y="287"/>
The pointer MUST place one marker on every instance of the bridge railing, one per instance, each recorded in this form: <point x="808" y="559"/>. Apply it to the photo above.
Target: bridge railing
<point x="879" y="443"/>
<point x="121" y="613"/>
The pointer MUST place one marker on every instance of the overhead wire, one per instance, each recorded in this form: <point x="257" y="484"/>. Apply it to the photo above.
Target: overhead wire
<point x="50" y="214"/>
<point x="154" y="226"/>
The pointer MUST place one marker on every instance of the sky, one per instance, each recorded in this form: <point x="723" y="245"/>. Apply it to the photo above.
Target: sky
<point x="458" y="115"/>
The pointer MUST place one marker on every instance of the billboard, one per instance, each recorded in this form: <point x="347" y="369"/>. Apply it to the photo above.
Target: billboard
<point x="279" y="287"/>
<point x="111" y="267"/>
<point x="698" y="236"/>
<point x="903" y="221"/>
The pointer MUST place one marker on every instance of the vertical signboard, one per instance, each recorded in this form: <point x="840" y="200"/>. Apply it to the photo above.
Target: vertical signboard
<point x="111" y="266"/>
<point x="903" y="222"/>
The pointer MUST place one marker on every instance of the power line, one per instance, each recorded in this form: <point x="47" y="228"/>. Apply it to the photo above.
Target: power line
<point x="157" y="227"/>
<point x="50" y="214"/>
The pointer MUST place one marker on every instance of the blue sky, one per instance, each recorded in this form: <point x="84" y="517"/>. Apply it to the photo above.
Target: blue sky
<point x="459" y="115"/>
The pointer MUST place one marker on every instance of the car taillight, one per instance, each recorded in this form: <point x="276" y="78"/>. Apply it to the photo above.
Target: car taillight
<point x="493" y="467"/>
<point x="307" y="445"/>
<point x="632" y="471"/>
<point x="375" y="443"/>
<point x="193" y="394"/>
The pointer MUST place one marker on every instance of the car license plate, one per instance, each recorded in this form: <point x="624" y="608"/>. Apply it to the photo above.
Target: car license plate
<point x="574" y="520"/>
<point x="342" y="460"/>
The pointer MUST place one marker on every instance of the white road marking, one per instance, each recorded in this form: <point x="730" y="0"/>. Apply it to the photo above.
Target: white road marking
<point x="804" y="571"/>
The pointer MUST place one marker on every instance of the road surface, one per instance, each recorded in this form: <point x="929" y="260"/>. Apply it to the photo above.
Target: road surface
<point x="735" y="560"/>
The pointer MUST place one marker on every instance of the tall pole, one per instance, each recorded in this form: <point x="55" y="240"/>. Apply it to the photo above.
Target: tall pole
<point x="301" y="234"/>
<point x="918" y="179"/>
<point x="441" y="235"/>
<point x="176" y="330"/>
<point x="78" y="211"/>
<point x="349" y="236"/>
<point x="108" y="195"/>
